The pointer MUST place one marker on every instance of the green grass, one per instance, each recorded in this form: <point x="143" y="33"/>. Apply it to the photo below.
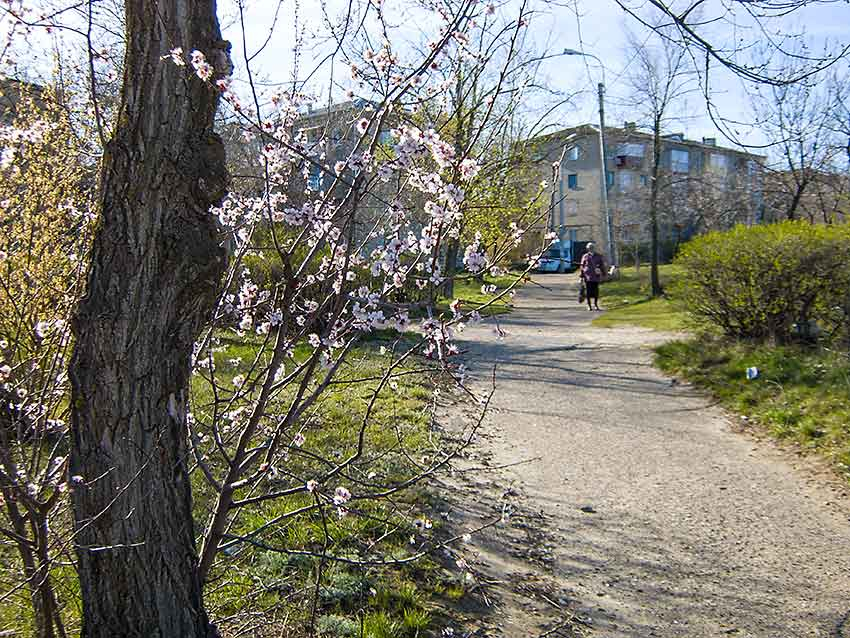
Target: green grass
<point x="801" y="395"/>
<point x="471" y="294"/>
<point x="627" y="301"/>
<point x="276" y="587"/>
<point x="387" y="601"/>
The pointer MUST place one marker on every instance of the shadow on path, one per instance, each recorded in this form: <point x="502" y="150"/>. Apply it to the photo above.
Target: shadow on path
<point x="695" y="530"/>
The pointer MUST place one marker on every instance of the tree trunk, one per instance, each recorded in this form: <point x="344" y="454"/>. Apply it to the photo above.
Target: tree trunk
<point x="36" y="574"/>
<point x="452" y="250"/>
<point x="653" y="211"/>
<point x="791" y="211"/>
<point x="156" y="264"/>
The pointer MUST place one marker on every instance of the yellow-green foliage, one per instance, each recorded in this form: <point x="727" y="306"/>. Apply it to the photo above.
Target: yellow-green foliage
<point x="45" y="199"/>
<point x="45" y="192"/>
<point x="498" y="197"/>
<point x="767" y="281"/>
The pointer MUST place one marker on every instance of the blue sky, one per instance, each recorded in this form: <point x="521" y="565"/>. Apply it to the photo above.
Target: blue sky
<point x="599" y="28"/>
<point x="596" y="26"/>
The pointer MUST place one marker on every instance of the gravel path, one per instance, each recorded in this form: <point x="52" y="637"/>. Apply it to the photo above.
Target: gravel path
<point x="694" y="529"/>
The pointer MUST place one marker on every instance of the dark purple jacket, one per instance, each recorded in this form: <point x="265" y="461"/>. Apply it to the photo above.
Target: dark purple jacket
<point x="589" y="264"/>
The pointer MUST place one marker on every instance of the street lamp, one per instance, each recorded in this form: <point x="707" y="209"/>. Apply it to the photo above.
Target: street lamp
<point x="603" y="169"/>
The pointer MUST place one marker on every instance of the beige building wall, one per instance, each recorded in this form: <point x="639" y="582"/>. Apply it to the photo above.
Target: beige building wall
<point x="577" y="206"/>
<point x="578" y="203"/>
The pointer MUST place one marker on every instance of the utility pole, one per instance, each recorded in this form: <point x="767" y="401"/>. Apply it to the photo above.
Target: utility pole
<point x="603" y="169"/>
<point x="556" y="180"/>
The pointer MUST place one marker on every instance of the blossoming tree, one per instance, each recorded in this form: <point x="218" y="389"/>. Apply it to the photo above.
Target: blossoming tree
<point x="166" y="285"/>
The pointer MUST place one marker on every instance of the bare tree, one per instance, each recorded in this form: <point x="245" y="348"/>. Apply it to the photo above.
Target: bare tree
<point x="659" y="79"/>
<point x="798" y="122"/>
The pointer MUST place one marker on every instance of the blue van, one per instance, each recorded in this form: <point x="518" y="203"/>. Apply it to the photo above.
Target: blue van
<point x="557" y="258"/>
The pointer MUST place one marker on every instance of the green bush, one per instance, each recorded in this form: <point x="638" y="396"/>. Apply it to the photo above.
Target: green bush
<point x="780" y="281"/>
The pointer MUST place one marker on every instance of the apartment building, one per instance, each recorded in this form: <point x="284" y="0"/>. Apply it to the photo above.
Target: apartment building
<point x="701" y="185"/>
<point x="14" y="94"/>
<point x="330" y="133"/>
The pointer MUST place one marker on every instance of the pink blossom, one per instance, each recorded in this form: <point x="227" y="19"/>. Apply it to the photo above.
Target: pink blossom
<point x="203" y="69"/>
<point x="176" y="55"/>
<point x="341" y="496"/>
<point x="469" y="168"/>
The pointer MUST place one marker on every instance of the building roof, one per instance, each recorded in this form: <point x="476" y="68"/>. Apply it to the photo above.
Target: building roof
<point x="349" y="106"/>
<point x="585" y="130"/>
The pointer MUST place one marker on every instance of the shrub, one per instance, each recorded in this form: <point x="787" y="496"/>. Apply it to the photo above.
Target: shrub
<point x="768" y="282"/>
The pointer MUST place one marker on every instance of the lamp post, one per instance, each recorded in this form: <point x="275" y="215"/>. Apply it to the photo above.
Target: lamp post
<point x="603" y="167"/>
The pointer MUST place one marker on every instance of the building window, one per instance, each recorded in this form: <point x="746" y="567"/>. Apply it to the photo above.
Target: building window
<point x="753" y="167"/>
<point x="631" y="149"/>
<point x="679" y="160"/>
<point x="718" y="162"/>
<point x="314" y="180"/>
<point x="572" y="154"/>
<point x="572" y="182"/>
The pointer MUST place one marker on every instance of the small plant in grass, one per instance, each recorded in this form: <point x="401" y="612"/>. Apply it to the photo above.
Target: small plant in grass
<point x="416" y="621"/>
<point x="333" y="626"/>
<point x="345" y="589"/>
<point x="381" y="625"/>
<point x="399" y="595"/>
<point x="455" y="591"/>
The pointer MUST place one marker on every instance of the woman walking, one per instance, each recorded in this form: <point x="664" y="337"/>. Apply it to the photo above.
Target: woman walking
<point x="592" y="272"/>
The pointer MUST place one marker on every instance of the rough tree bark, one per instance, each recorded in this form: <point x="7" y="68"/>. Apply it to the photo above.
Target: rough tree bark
<point x="156" y="264"/>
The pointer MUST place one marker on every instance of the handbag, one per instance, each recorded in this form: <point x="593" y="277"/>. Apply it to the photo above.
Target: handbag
<point x="582" y="292"/>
